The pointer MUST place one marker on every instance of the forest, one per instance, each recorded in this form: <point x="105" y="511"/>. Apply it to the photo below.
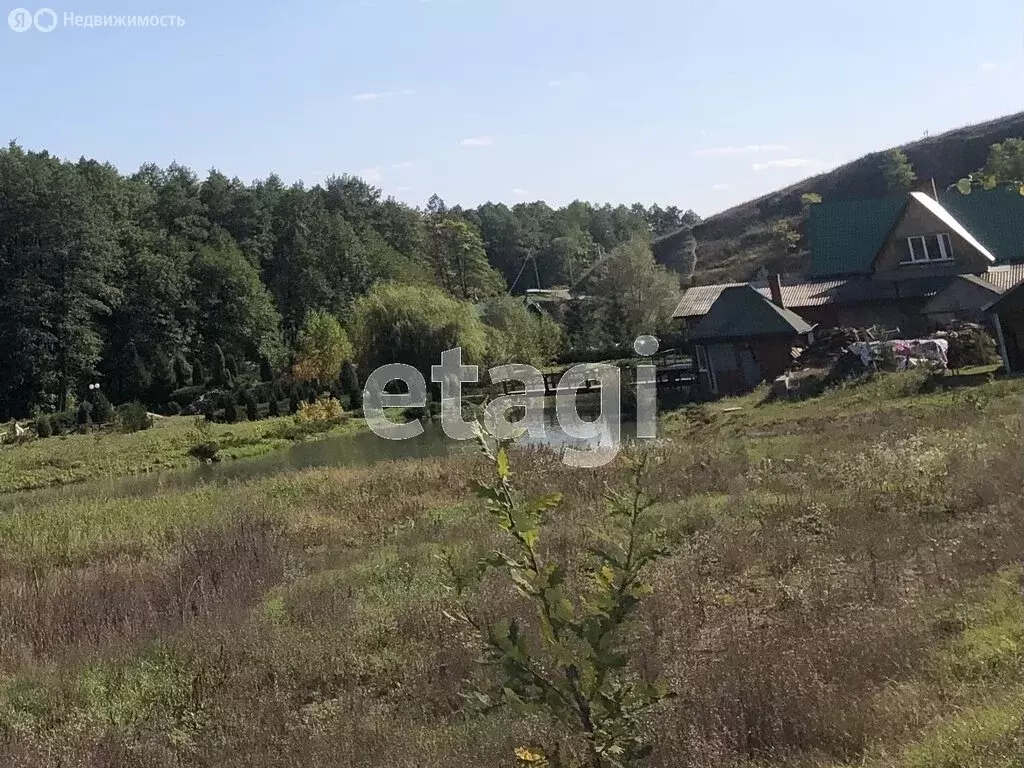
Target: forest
<point x="150" y="282"/>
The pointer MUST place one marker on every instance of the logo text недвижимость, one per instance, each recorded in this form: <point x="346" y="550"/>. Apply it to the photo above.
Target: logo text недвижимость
<point x="47" y="20"/>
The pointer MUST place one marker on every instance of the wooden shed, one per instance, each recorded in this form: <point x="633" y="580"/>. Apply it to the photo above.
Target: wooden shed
<point x="745" y="339"/>
<point x="964" y="298"/>
<point x="1007" y="316"/>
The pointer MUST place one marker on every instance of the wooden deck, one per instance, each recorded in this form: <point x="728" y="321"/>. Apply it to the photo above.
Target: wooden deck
<point x="675" y="373"/>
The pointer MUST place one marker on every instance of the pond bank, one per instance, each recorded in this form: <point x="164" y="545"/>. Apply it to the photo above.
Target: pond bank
<point x="72" y="459"/>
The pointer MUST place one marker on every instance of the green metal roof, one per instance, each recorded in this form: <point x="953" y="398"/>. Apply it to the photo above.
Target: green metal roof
<point x="741" y="312"/>
<point x="846" y="237"/>
<point x="995" y="217"/>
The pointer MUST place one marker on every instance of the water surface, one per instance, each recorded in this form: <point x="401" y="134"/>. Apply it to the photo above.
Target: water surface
<point x="360" y="450"/>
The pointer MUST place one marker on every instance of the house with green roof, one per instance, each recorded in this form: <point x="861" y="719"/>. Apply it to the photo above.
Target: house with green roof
<point x="744" y="339"/>
<point x="902" y="261"/>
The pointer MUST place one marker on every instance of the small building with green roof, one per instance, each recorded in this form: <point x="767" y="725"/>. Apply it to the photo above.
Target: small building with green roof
<point x="745" y="339"/>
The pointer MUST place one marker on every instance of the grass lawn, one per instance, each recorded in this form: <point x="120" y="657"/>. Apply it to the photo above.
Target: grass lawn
<point x="74" y="458"/>
<point x="844" y="589"/>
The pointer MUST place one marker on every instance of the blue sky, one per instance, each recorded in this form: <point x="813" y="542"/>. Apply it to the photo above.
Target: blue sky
<point x="698" y="104"/>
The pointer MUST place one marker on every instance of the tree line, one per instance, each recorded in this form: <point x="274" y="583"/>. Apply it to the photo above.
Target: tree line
<point x="156" y="280"/>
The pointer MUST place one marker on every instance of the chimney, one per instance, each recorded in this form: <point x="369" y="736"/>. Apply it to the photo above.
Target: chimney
<point x="775" y="285"/>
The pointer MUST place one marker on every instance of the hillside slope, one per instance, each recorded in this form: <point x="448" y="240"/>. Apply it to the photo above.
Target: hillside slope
<point x="735" y="244"/>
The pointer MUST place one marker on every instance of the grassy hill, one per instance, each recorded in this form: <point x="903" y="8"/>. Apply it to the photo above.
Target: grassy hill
<point x="735" y="244"/>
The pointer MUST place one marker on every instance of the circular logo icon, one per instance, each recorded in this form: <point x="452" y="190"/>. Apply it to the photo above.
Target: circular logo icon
<point x="45" y="19"/>
<point x="645" y="346"/>
<point x="20" y="20"/>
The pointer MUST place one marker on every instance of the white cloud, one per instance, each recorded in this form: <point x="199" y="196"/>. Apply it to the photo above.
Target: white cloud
<point x="478" y="141"/>
<point x="749" y="149"/>
<point x="988" y="66"/>
<point x="789" y="162"/>
<point x="721" y="187"/>
<point x="554" y="83"/>
<point x="381" y="95"/>
<point x="404" y="165"/>
<point x="519" y="192"/>
<point x="404" y="189"/>
<point x="370" y="175"/>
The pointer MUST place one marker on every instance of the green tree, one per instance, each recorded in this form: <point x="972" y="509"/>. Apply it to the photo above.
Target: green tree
<point x="164" y="381"/>
<point x="1005" y="166"/>
<point x="132" y="379"/>
<point x="350" y="385"/>
<point x="639" y="294"/>
<point x="898" y="172"/>
<point x="234" y="309"/>
<point x="807" y="200"/>
<point x="103" y="410"/>
<point x="251" y="406"/>
<point x="1006" y="161"/>
<point x="266" y="370"/>
<point x="183" y="371"/>
<point x="231" y="414"/>
<point x="519" y="334"/>
<point x="414" y="325"/>
<point x="459" y="259"/>
<point x="323" y="348"/>
<point x="575" y="664"/>
<point x="221" y="376"/>
<point x="59" y="250"/>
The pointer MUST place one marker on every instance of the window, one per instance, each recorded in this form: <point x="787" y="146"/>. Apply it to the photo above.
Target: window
<point x="927" y="248"/>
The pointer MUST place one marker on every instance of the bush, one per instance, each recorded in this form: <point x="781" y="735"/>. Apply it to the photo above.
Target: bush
<point x="133" y="417"/>
<point x="577" y="673"/>
<point x="103" y="411"/>
<point x="252" y="411"/>
<point x="172" y="409"/>
<point x="916" y="381"/>
<point x="323" y="410"/>
<point x="231" y="414"/>
<point x="206" y="452"/>
<point x="44" y="426"/>
<point x="209" y="410"/>
<point x="300" y="431"/>
<point x="971" y="346"/>
<point x="83" y="417"/>
<point x="187" y="395"/>
<point x="274" y="409"/>
<point x="63" y="421"/>
<point x="350" y="385"/>
<point x="203" y="447"/>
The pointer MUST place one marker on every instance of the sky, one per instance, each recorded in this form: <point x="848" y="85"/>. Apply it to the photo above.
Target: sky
<point x="702" y="105"/>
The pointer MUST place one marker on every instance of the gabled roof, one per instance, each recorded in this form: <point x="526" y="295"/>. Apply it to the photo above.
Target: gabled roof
<point x="798" y="294"/>
<point x="845" y="237"/>
<point x="1012" y="300"/>
<point x="936" y="208"/>
<point x="995" y="217"/>
<point x="962" y="292"/>
<point x="741" y="312"/>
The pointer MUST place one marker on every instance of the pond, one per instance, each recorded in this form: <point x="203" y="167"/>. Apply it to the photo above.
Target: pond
<point x="359" y="450"/>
